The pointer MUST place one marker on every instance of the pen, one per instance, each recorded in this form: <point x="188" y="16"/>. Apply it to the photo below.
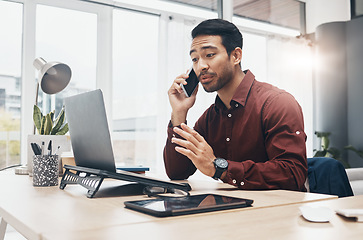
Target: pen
<point x="42" y="148"/>
<point x="32" y="146"/>
<point x="50" y="148"/>
<point x="35" y="149"/>
<point x="39" y="150"/>
<point x="57" y="150"/>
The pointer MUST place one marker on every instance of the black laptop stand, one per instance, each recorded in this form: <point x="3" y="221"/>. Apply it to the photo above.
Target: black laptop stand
<point x="92" y="179"/>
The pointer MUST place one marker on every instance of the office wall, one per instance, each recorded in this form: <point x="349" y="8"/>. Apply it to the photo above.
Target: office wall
<point x="355" y="87"/>
<point x="323" y="11"/>
<point x="339" y="85"/>
<point x="330" y="82"/>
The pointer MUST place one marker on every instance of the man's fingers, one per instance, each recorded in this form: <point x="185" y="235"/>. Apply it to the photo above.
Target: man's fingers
<point x="191" y="131"/>
<point x="186" y="152"/>
<point x="184" y="143"/>
<point x="188" y="136"/>
<point x="175" y="87"/>
<point x="181" y="79"/>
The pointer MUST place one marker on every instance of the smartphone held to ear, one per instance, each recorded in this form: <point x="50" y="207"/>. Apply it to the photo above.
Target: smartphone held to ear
<point x="192" y="83"/>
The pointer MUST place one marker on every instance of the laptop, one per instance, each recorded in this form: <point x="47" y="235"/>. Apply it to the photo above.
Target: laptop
<point x="88" y="128"/>
<point x="91" y="142"/>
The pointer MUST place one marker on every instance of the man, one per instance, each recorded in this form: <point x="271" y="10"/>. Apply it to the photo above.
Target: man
<point x="253" y="135"/>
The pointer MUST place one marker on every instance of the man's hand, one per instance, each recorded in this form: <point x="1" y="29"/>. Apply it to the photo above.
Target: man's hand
<point x="180" y="104"/>
<point x="195" y="148"/>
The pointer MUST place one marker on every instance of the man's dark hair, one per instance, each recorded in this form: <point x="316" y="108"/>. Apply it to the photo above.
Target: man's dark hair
<point x="231" y="36"/>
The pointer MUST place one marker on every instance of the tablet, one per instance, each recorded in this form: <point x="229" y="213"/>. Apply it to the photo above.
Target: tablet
<point x="134" y="169"/>
<point x="174" y="206"/>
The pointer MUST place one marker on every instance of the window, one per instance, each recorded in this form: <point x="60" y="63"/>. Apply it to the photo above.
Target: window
<point x="285" y="13"/>
<point x="254" y="55"/>
<point x="67" y="36"/>
<point x="356" y="8"/>
<point x="10" y="81"/>
<point x="135" y="87"/>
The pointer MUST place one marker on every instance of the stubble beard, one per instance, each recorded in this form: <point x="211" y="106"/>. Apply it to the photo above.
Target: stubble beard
<point x="224" y="78"/>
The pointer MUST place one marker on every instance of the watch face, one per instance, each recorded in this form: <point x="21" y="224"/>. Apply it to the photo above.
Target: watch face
<point x="222" y="163"/>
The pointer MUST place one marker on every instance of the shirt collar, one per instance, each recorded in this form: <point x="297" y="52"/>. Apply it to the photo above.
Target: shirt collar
<point x="241" y="94"/>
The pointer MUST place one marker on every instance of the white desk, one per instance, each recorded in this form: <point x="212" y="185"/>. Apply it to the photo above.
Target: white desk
<point x="36" y="212"/>
<point x="280" y="222"/>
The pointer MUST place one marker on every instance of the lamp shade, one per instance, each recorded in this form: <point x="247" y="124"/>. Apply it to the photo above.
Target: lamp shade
<point x="53" y="76"/>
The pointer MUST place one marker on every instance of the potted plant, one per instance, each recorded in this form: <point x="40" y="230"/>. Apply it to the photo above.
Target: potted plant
<point x="327" y="151"/>
<point x="49" y="128"/>
<point x="46" y="125"/>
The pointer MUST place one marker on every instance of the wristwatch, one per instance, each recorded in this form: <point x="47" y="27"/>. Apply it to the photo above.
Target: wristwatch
<point x="221" y="166"/>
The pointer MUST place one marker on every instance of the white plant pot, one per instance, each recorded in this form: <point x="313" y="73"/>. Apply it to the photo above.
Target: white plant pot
<point x="63" y="141"/>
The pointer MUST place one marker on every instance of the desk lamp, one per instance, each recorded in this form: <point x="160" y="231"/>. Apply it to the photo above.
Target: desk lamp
<point x="53" y="77"/>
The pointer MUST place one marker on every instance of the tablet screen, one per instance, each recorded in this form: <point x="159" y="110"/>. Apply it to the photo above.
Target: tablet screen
<point x="173" y="206"/>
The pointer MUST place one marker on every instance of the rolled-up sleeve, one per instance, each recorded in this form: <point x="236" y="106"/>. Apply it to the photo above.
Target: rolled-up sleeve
<point x="177" y="166"/>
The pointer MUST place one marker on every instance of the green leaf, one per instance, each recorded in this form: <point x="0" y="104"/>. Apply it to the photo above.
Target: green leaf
<point x="325" y="142"/>
<point x="358" y="152"/>
<point x="335" y="153"/>
<point x="63" y="130"/>
<point x="320" y="154"/>
<point x="37" y="118"/>
<point x="322" y="134"/>
<point x="58" y="123"/>
<point x="41" y="132"/>
<point x="48" y="124"/>
<point x="52" y="115"/>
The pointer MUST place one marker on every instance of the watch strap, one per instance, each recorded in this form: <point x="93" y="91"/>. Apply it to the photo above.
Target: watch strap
<point x="218" y="173"/>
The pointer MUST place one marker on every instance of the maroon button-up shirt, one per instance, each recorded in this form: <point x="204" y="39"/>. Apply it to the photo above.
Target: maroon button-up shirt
<point x="261" y="136"/>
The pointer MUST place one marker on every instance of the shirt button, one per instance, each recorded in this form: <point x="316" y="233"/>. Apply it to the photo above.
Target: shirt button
<point x="234" y="181"/>
<point x="236" y="105"/>
<point x="229" y="115"/>
<point x="242" y="183"/>
<point x="227" y="139"/>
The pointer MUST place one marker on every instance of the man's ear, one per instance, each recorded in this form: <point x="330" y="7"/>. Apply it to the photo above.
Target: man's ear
<point x="237" y="55"/>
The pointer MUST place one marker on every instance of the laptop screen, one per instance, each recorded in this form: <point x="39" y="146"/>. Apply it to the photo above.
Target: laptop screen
<point x="88" y="128"/>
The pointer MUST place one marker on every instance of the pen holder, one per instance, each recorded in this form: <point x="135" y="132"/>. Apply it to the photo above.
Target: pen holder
<point x="45" y="170"/>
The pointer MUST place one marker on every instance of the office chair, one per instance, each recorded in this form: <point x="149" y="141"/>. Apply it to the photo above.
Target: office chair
<point x="328" y="176"/>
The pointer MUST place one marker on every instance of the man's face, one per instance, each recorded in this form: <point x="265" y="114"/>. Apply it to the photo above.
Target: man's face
<point x="211" y="62"/>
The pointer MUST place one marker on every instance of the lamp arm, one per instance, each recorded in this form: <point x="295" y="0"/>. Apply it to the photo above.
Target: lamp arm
<point x="36" y="103"/>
